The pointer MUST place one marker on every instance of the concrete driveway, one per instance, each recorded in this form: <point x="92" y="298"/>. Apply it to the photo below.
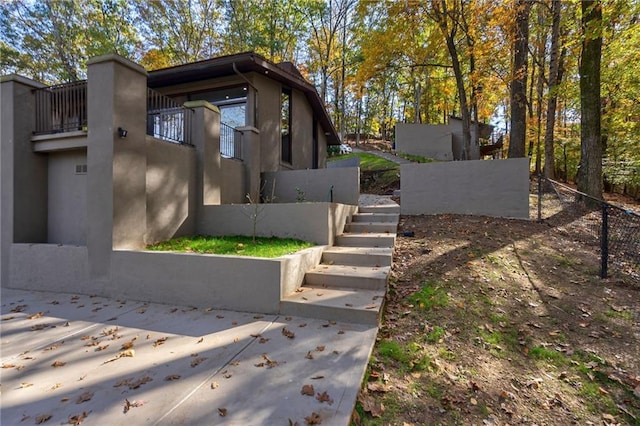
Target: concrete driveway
<point x="102" y="361"/>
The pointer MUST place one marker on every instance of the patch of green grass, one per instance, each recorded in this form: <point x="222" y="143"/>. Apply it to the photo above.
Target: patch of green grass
<point x="562" y="260"/>
<point x="551" y="355"/>
<point x="369" y="162"/>
<point x="436" y="334"/>
<point x="233" y="245"/>
<point x="432" y="295"/>
<point x="415" y="158"/>
<point x="447" y="355"/>
<point x="433" y="390"/>
<point x="625" y="315"/>
<point x="497" y="318"/>
<point x="410" y="356"/>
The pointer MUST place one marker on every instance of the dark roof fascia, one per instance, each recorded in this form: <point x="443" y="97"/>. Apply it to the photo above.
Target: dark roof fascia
<point x="244" y="63"/>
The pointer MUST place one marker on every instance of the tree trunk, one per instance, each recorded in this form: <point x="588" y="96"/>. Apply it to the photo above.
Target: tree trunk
<point x="555" y="76"/>
<point x="590" y="169"/>
<point x="517" y="135"/>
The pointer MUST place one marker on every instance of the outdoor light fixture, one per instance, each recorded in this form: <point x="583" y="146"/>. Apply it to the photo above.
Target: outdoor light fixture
<point x="122" y="133"/>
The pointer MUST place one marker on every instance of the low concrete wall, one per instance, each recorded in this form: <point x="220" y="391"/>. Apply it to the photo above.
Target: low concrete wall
<point x="425" y="140"/>
<point x="232" y="182"/>
<point x="314" y="222"/>
<point x="223" y="282"/>
<point x="492" y="188"/>
<point x="50" y="267"/>
<point x="315" y="184"/>
<point x="170" y="190"/>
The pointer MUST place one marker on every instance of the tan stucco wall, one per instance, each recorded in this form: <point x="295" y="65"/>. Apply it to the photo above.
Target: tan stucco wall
<point x="233" y="182"/>
<point x="315" y="184"/>
<point x="302" y="131"/>
<point x="425" y="140"/>
<point x="315" y="222"/>
<point x="67" y="201"/>
<point x="268" y="121"/>
<point x="497" y="188"/>
<point x="170" y="185"/>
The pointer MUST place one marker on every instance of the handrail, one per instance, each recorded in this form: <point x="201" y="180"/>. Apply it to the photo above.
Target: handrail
<point x="61" y="108"/>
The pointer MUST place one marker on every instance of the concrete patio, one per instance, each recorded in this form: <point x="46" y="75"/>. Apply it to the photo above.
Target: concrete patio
<point x="120" y="362"/>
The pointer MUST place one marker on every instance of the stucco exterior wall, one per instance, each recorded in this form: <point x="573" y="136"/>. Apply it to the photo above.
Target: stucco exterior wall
<point x="313" y="222"/>
<point x="315" y="184"/>
<point x="67" y="201"/>
<point x="223" y="282"/>
<point x="233" y="182"/>
<point x="425" y="140"/>
<point x="268" y="121"/>
<point x="50" y="267"/>
<point x="301" y="131"/>
<point x="170" y="190"/>
<point x="497" y="188"/>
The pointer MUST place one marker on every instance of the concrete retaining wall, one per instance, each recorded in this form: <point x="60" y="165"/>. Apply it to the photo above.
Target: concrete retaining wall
<point x="50" y="267"/>
<point x="425" y="140"/>
<point x="497" y="188"/>
<point x="314" y="184"/>
<point x="170" y="190"/>
<point x="314" y="222"/>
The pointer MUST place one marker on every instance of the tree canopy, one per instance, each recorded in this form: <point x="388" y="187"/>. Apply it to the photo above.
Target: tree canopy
<point x="378" y="63"/>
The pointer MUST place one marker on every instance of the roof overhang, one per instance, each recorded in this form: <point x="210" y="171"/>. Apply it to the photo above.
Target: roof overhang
<point x="244" y="63"/>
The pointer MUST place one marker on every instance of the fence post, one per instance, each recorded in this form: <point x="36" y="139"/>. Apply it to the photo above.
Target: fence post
<point x="604" y="241"/>
<point x="539" y="197"/>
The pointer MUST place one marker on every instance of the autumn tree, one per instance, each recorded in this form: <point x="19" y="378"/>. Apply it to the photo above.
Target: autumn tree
<point x="518" y="132"/>
<point x="589" y="179"/>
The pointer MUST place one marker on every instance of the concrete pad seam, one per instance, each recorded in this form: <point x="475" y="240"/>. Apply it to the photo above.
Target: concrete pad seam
<point x="214" y="374"/>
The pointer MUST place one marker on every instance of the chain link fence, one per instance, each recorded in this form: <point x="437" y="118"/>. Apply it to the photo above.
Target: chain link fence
<point x="612" y="230"/>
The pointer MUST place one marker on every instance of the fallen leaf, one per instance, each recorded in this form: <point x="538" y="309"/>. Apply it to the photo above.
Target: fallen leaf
<point x="131" y="404"/>
<point x="36" y="315"/>
<point x="307" y="390"/>
<point x="222" y="412"/>
<point x="201" y="340"/>
<point x="84" y="397"/>
<point x="127" y="345"/>
<point x="8" y="365"/>
<point x="160" y="341"/>
<point x="287" y="333"/>
<point x="41" y="418"/>
<point x="18" y="308"/>
<point x="263" y="340"/>
<point x="319" y="348"/>
<point x="371" y="406"/>
<point x="269" y="363"/>
<point x="56" y="386"/>
<point x="309" y="355"/>
<point x="324" y="397"/>
<point x="38" y="327"/>
<point x="141" y="381"/>
<point x="317" y="377"/>
<point x="58" y="364"/>
<point x="378" y="387"/>
<point x="101" y="348"/>
<point x="172" y="377"/>
<point x="313" y="419"/>
<point x="78" y="418"/>
<point x="197" y="361"/>
<point x="214" y="385"/>
<point x="123" y="382"/>
<point x="25" y="385"/>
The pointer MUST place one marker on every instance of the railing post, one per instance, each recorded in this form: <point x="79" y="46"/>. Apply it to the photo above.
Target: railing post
<point x="604" y="241"/>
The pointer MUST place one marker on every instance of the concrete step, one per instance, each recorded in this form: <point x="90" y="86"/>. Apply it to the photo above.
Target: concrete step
<point x="371" y="227"/>
<point x="366" y="240"/>
<point x="347" y="276"/>
<point x="335" y="304"/>
<point x="381" y="208"/>
<point x="358" y="256"/>
<point x="376" y="217"/>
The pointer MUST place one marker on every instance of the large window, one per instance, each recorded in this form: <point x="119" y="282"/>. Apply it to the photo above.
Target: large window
<point x="285" y="125"/>
<point x="232" y="102"/>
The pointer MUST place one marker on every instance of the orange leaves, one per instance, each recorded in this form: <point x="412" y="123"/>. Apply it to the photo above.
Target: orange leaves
<point x="288" y="333"/>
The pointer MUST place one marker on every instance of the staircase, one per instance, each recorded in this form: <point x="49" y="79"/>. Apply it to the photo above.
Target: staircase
<point x="350" y="283"/>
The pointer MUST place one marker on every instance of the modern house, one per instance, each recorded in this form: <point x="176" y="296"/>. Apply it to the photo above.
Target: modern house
<point x="93" y="171"/>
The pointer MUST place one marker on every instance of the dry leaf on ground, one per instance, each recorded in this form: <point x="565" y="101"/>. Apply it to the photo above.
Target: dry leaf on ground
<point x="41" y="418"/>
<point x="307" y="390"/>
<point x="313" y="419"/>
<point x="288" y="333"/>
<point x="58" y="364"/>
<point x="324" y="397"/>
<point x="86" y="396"/>
<point x="78" y="418"/>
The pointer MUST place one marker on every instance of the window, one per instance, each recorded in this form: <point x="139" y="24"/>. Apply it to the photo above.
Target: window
<point x="285" y="126"/>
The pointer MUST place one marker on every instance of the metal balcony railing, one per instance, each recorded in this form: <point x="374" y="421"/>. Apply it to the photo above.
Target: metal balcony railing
<point x="230" y="142"/>
<point x="61" y="108"/>
<point x="168" y="120"/>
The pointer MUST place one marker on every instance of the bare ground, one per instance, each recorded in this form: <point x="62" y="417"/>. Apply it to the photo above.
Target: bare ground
<point x="495" y="321"/>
